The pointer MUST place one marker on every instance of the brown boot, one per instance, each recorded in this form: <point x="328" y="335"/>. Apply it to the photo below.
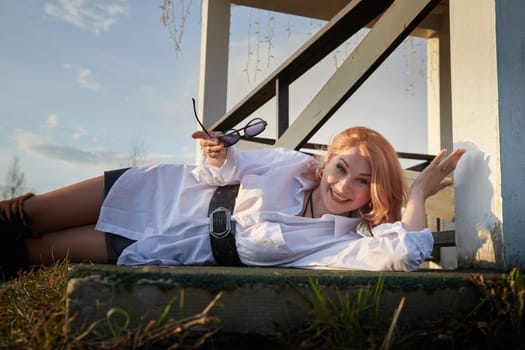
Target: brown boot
<point x="14" y="227"/>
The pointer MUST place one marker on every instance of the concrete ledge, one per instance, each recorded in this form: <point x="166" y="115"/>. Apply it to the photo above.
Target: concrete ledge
<point x="254" y="299"/>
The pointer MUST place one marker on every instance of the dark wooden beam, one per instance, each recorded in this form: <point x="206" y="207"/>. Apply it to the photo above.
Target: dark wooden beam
<point x="347" y="22"/>
<point x="387" y="34"/>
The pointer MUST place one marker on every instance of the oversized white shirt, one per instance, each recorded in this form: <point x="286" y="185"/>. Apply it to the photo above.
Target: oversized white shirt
<point x="165" y="209"/>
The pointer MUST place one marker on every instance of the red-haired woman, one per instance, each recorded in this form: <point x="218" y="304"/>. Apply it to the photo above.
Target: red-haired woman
<point x="343" y="213"/>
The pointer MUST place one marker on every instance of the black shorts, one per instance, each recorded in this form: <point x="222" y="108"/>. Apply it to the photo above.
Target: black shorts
<point x="115" y="244"/>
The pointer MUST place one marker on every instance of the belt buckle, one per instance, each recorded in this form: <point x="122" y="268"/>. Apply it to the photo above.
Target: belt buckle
<point x="220" y="222"/>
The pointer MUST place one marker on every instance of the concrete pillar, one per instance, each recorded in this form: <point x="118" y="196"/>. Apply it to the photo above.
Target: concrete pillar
<point x="488" y="107"/>
<point x="439" y="112"/>
<point x="215" y="39"/>
<point x="510" y="38"/>
<point x="438" y="89"/>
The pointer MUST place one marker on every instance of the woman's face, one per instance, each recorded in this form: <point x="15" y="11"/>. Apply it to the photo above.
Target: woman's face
<point x="345" y="185"/>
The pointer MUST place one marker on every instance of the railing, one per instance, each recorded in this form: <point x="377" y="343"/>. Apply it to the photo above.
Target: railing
<point x="393" y="21"/>
<point x="346" y="23"/>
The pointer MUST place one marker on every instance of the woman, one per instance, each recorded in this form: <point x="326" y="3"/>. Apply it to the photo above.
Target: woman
<point x="290" y="210"/>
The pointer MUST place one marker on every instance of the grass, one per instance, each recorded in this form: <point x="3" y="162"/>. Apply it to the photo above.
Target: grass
<point x="355" y="321"/>
<point x="163" y="332"/>
<point x="33" y="309"/>
<point x="335" y="322"/>
<point x="34" y="317"/>
<point x="496" y="322"/>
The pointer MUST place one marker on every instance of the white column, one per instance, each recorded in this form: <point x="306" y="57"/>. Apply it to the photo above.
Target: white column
<point x="487" y="40"/>
<point x="439" y="111"/>
<point x="438" y="90"/>
<point x="213" y="82"/>
<point x="213" y="78"/>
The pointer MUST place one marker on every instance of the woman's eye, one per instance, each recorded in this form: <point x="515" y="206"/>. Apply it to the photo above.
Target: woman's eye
<point x="341" y="168"/>
<point x="362" y="181"/>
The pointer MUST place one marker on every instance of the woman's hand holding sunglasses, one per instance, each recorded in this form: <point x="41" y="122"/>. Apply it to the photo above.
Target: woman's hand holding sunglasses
<point x="229" y="138"/>
<point x="215" y="143"/>
<point x="210" y="144"/>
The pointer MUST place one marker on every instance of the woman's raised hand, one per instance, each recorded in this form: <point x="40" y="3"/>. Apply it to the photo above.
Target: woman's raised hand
<point x="431" y="180"/>
<point x="435" y="176"/>
<point x="213" y="149"/>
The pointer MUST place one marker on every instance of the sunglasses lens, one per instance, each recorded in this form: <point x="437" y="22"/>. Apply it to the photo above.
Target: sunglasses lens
<point x="230" y="138"/>
<point x="255" y="127"/>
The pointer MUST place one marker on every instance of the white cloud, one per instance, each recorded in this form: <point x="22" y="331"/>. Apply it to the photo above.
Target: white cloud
<point x="40" y="146"/>
<point x="51" y="121"/>
<point x="85" y="79"/>
<point x="94" y="16"/>
<point x="47" y="149"/>
<point x="79" y="133"/>
<point x="114" y="9"/>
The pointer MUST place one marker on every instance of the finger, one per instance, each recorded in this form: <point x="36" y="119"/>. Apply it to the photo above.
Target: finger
<point x="212" y="147"/>
<point x="450" y="163"/>
<point x="216" y="148"/>
<point x="443" y="184"/>
<point x="446" y="183"/>
<point x="206" y="144"/>
<point x="205" y="141"/>
<point x="457" y="154"/>
<point x="199" y="135"/>
<point x="437" y="159"/>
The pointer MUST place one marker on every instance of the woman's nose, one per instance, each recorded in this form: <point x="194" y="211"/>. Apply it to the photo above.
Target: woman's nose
<point x="346" y="185"/>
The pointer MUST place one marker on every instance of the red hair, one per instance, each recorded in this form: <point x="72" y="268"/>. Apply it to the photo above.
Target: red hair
<point x="387" y="186"/>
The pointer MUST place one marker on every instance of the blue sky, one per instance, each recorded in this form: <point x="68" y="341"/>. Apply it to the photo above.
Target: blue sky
<point x="84" y="83"/>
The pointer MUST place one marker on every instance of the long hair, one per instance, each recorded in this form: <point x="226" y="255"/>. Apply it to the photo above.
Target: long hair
<point x="387" y="186"/>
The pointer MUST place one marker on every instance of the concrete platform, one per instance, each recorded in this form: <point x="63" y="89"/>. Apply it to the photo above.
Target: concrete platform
<point x="254" y="300"/>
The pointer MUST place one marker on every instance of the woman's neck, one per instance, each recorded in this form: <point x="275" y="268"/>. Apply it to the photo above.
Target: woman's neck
<point x="308" y="206"/>
<point x="317" y="204"/>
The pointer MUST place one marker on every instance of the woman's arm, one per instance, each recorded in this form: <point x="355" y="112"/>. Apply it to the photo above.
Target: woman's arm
<point x="431" y="180"/>
<point x="221" y="165"/>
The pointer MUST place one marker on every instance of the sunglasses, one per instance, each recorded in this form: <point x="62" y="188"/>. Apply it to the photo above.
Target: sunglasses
<point x="253" y="128"/>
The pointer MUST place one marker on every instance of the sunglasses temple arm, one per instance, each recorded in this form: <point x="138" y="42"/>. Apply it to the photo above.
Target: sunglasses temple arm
<point x="198" y="120"/>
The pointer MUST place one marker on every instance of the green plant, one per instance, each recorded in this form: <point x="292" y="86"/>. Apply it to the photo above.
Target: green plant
<point x="34" y="316"/>
<point x="503" y="300"/>
<point x="496" y="321"/>
<point x="163" y="332"/>
<point x="348" y="321"/>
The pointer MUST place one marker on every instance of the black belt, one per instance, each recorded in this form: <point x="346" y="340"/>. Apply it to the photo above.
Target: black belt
<point x="222" y="228"/>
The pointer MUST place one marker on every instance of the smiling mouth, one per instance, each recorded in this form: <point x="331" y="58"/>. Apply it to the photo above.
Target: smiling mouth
<point x="337" y="197"/>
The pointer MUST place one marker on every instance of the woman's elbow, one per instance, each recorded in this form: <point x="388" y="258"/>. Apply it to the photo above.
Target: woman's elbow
<point x="403" y="261"/>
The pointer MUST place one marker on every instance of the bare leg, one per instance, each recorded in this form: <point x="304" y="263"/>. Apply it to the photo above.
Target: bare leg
<point x="79" y="244"/>
<point x="72" y="206"/>
<point x="66" y="219"/>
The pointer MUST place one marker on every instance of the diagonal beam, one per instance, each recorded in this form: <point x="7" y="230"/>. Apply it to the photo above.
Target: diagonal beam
<point x="353" y="17"/>
<point x="396" y="23"/>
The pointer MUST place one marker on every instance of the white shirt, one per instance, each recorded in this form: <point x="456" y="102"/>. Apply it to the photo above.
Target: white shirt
<point x="164" y="208"/>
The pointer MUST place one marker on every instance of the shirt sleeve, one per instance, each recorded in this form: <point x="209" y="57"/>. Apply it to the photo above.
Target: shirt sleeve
<point x="392" y="248"/>
<point x="240" y="163"/>
<point x="211" y="175"/>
